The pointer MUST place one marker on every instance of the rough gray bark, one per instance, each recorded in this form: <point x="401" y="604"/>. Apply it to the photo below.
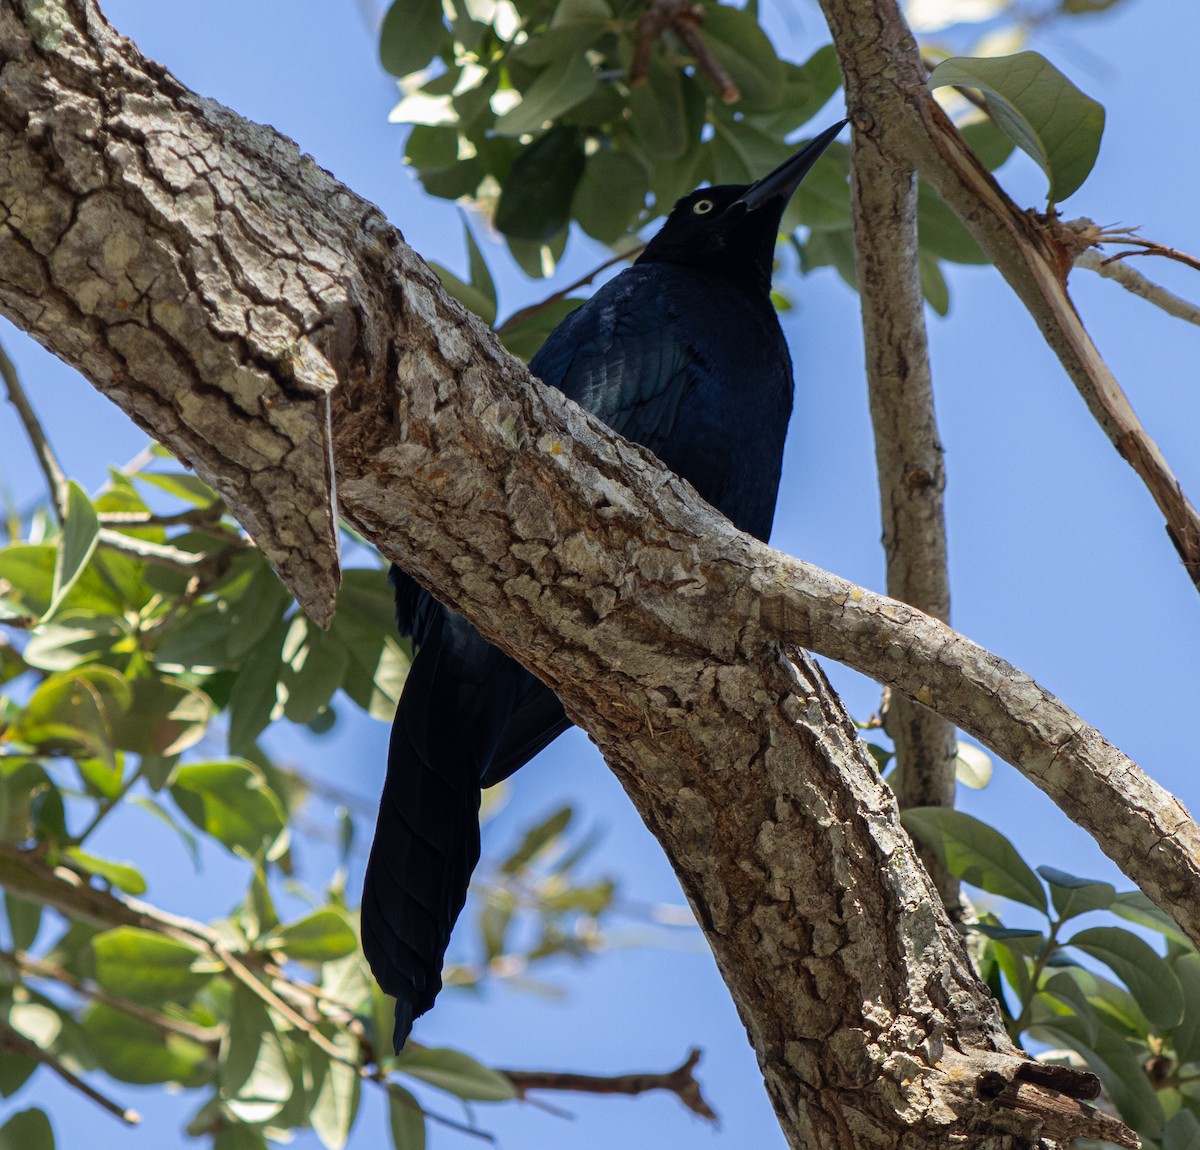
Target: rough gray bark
<point x="138" y="226"/>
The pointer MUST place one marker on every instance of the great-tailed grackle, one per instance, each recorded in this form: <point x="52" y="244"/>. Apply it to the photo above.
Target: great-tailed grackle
<point x="683" y="353"/>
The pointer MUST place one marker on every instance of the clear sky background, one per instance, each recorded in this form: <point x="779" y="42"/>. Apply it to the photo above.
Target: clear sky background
<point x="1059" y="560"/>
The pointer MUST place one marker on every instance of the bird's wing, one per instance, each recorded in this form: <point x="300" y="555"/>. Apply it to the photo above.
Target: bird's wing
<point x="620" y="357"/>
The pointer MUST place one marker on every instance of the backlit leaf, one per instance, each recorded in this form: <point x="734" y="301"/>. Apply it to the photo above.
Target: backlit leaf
<point x="80" y="531"/>
<point x="976" y="853"/>
<point x="231" y="801"/>
<point x="1038" y="108"/>
<point x="455" y="1072"/>
<point x="148" y="967"/>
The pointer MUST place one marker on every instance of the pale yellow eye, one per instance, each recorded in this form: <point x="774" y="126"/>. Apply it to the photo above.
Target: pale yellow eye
<point x="703" y="207"/>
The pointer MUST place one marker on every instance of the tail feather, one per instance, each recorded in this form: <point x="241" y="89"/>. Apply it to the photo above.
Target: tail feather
<point x="457" y="701"/>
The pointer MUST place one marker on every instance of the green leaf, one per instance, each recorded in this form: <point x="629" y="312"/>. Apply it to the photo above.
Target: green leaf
<point x="1133" y="906"/>
<point x="411" y="35"/>
<point x="1039" y="109"/>
<point x="321" y="936"/>
<point x="182" y="484"/>
<point x="1150" y="980"/>
<point x="535" y="203"/>
<point x="314" y="664"/>
<point x="1026" y="942"/>
<point x="81" y="529"/>
<point x="610" y="196"/>
<point x="405" y="1119"/>
<point x="336" y="1092"/>
<point x="231" y="801"/>
<point x="130" y="1050"/>
<point x="525" y="332"/>
<point x="254" y="700"/>
<point x="1114" y="1002"/>
<point x="455" y="1072"/>
<point x="1073" y="896"/>
<point x="253" y="1070"/>
<point x="565" y="83"/>
<point x="537" y="839"/>
<point x="658" y="118"/>
<point x="1185" y="1036"/>
<point x="121" y="875"/>
<point x="976" y="853"/>
<point x="987" y="141"/>
<point x="942" y="233"/>
<point x="255" y="613"/>
<point x="15" y="1071"/>
<point x="24" y="920"/>
<point x="933" y="284"/>
<point x="147" y="967"/>
<point x="365" y="624"/>
<point x="74" y="711"/>
<point x="972" y="766"/>
<point x="1182" y="1131"/>
<point x="27" y="1130"/>
<point x="739" y="43"/>
<point x="1068" y="991"/>
<point x="166" y="716"/>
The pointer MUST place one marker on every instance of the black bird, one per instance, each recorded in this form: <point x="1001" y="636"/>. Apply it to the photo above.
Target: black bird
<point x="683" y="353"/>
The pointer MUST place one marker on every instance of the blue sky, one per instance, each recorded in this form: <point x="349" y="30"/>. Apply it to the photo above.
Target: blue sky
<point x="1059" y="561"/>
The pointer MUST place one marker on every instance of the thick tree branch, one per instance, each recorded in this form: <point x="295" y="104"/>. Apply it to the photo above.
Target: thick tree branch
<point x="889" y="100"/>
<point x="908" y="457"/>
<point x="666" y="633"/>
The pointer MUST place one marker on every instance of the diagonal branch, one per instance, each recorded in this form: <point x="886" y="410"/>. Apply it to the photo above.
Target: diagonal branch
<point x="888" y="99"/>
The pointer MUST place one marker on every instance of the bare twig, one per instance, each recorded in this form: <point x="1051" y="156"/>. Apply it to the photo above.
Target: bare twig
<point x="13" y="1043"/>
<point x="55" y="477"/>
<point x="681" y="1082"/>
<point x="683" y="17"/>
<point x="1132" y="280"/>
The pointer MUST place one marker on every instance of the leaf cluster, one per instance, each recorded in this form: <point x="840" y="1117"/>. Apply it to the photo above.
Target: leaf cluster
<point x="1100" y="997"/>
<point x="149" y="647"/>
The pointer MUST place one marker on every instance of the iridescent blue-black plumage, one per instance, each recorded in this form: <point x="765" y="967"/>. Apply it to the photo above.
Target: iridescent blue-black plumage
<point x="682" y="353"/>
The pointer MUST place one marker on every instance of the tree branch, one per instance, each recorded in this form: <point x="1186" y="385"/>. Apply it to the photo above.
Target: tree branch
<point x="908" y="457"/>
<point x="681" y="1082"/>
<point x="889" y="100"/>
<point x="657" y="623"/>
<point x="1132" y="280"/>
<point x="13" y="1043"/>
<point x="55" y="478"/>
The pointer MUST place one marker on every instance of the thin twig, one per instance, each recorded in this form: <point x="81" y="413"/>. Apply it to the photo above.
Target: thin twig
<point x="1132" y="280"/>
<point x="55" y="477"/>
<point x="39" y="968"/>
<point x="13" y="1043"/>
<point x="683" y="17"/>
<point x="681" y="1082"/>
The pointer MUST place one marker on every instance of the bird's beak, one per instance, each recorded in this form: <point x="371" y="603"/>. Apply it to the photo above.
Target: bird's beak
<point x="785" y="179"/>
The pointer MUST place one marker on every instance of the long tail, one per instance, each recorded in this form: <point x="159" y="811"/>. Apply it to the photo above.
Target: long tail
<point x="456" y="715"/>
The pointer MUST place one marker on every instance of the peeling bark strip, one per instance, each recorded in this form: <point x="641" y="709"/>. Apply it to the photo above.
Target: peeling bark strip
<point x="662" y="628"/>
<point x="190" y="264"/>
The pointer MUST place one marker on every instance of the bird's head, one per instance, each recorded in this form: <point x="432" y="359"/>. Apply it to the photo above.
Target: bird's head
<point x="730" y="229"/>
